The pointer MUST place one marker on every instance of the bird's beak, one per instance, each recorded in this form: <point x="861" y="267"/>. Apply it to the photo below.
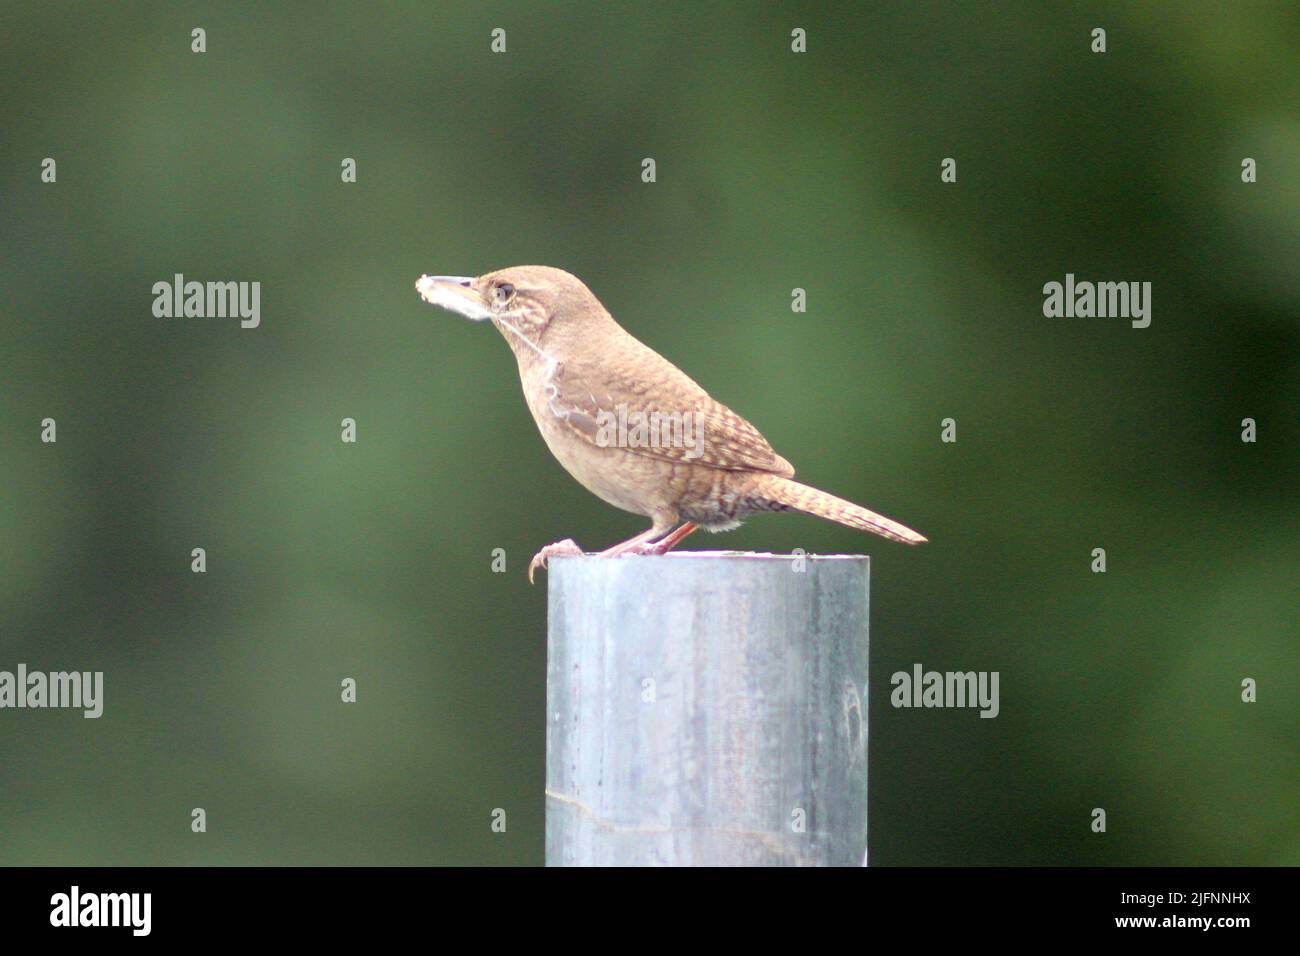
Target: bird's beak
<point x="455" y="294"/>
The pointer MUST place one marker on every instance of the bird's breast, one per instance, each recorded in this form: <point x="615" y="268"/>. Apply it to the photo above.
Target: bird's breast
<point x="620" y="477"/>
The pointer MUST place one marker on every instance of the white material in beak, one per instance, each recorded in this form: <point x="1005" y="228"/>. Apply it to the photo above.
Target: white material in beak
<point x="454" y="294"/>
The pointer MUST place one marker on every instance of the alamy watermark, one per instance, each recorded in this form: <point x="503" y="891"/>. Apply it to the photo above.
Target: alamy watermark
<point x="128" y="910"/>
<point x="622" y="428"/>
<point x="76" y="690"/>
<point x="1102" y="300"/>
<point x="922" y="688"/>
<point x="209" y="300"/>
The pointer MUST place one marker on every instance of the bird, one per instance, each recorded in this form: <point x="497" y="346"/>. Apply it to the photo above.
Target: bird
<point x="630" y="426"/>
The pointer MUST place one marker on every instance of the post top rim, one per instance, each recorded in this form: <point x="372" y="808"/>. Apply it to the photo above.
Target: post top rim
<point x="734" y="555"/>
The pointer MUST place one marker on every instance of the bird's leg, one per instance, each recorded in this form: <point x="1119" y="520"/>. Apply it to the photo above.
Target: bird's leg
<point x="657" y="540"/>
<point x="567" y="546"/>
<point x="633" y="545"/>
<point x="668" y="542"/>
<point x="654" y="541"/>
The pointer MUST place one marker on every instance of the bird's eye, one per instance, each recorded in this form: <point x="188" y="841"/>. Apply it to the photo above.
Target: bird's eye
<point x="503" y="293"/>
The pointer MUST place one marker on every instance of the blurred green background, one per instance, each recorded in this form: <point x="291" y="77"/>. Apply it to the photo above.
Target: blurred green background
<point x="775" y="171"/>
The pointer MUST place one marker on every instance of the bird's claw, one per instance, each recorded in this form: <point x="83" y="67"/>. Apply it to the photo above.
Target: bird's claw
<point x="566" y="547"/>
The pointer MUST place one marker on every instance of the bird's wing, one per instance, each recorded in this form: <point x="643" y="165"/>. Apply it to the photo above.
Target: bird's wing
<point x="609" y="404"/>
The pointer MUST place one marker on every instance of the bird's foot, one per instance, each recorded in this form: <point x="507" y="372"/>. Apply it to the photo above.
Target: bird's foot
<point x="566" y="547"/>
<point x="640" y="546"/>
<point x="643" y="547"/>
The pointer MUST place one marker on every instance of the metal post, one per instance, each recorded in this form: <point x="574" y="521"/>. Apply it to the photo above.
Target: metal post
<point x="707" y="708"/>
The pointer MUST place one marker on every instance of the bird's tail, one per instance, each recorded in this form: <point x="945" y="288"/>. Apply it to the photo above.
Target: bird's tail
<point x="782" y="494"/>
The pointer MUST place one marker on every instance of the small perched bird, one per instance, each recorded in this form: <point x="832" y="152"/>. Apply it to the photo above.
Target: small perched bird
<point x="627" y="423"/>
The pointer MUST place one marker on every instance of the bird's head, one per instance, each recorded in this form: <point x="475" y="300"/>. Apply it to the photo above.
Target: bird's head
<point x="534" y="303"/>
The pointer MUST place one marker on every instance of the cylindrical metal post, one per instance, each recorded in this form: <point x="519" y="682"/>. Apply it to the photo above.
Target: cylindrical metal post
<point x="707" y="708"/>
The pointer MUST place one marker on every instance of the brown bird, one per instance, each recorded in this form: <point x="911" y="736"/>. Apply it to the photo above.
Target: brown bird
<point x="627" y="423"/>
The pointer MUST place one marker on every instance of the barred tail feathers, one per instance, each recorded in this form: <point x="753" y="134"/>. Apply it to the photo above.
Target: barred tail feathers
<point x="783" y="493"/>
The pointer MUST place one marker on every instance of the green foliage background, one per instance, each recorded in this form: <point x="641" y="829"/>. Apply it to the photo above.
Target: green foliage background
<point x="775" y="170"/>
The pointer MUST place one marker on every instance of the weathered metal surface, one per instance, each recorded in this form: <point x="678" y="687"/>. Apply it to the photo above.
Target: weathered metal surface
<point x="707" y="708"/>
